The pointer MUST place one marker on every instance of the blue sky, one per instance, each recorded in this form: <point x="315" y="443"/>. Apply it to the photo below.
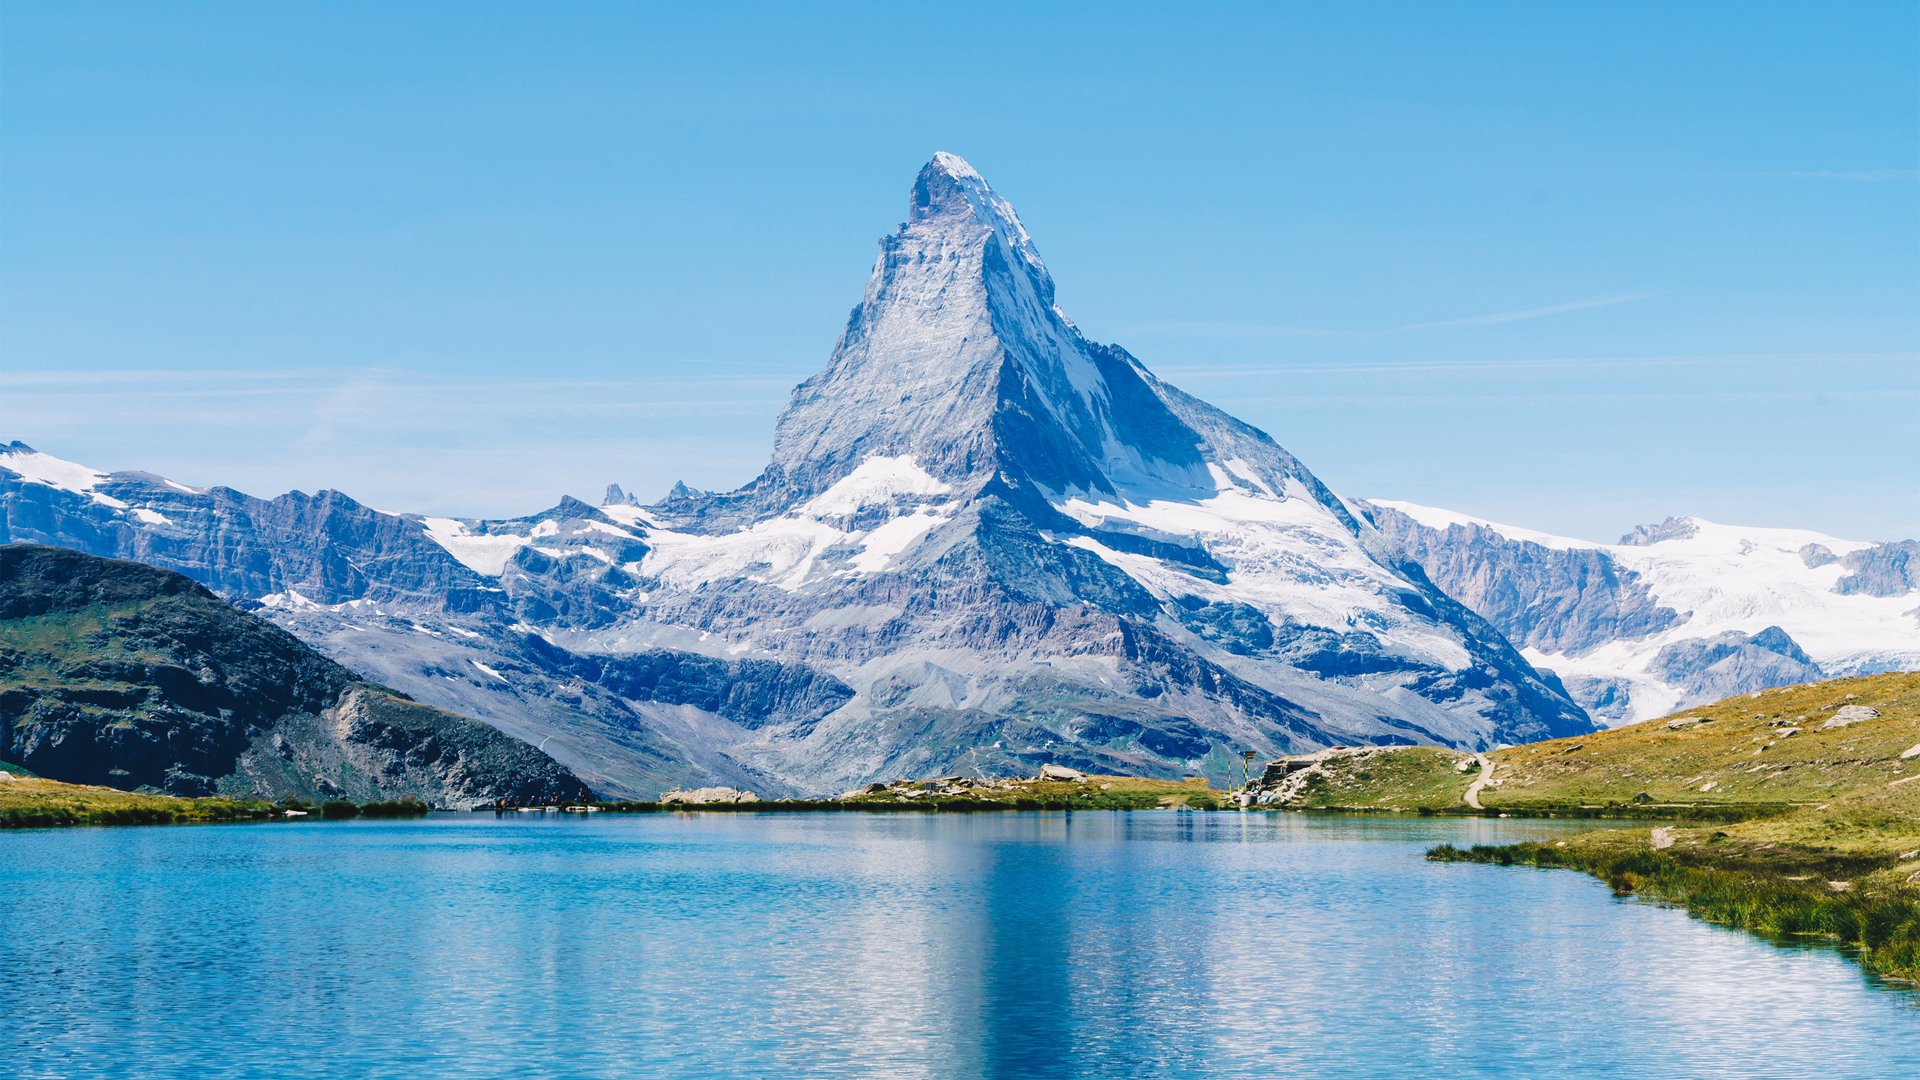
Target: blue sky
<point x="1569" y="267"/>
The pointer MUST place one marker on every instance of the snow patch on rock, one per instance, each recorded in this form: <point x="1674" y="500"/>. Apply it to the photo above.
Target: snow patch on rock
<point x="39" y="468"/>
<point x="485" y="554"/>
<point x="1723" y="578"/>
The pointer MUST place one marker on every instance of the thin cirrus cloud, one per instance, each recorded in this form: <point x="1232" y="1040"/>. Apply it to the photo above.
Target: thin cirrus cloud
<point x="1872" y="175"/>
<point x="1255" y="330"/>
<point x="1531" y="313"/>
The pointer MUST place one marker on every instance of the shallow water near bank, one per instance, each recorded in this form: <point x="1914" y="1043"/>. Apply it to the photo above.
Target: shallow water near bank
<point x="778" y="945"/>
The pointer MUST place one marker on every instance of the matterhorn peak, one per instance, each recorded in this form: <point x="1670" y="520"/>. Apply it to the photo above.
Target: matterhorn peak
<point x="958" y="357"/>
<point x="948" y="189"/>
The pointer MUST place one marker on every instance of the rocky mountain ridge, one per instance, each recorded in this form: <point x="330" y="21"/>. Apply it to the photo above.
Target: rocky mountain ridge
<point x="983" y="543"/>
<point x="1675" y="614"/>
<point x="119" y="674"/>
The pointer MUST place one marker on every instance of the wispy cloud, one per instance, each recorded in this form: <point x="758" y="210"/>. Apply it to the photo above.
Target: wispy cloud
<point x="1875" y="362"/>
<point x="1239" y="330"/>
<point x="408" y="440"/>
<point x="1835" y="174"/>
<point x="1258" y="330"/>
<point x="1530" y="313"/>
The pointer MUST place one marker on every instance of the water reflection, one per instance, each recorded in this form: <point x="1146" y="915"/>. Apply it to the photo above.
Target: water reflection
<point x="1005" y="945"/>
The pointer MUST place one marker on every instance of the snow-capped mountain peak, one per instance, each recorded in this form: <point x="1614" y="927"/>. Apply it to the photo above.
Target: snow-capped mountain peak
<point x="958" y="356"/>
<point x="1046" y="467"/>
<point x="982" y="542"/>
<point x="54" y="472"/>
<point x="1676" y="613"/>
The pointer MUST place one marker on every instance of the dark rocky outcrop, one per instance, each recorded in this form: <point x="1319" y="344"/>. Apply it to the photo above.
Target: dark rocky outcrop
<point x="1881" y="570"/>
<point x="1733" y="663"/>
<point x="129" y="676"/>
<point x="1816" y="556"/>
<point x="1543" y="598"/>
<point x="752" y="693"/>
<point x="1674" y="528"/>
<point x="327" y="548"/>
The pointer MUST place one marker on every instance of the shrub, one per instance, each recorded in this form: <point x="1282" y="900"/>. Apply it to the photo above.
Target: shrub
<point x="397" y="808"/>
<point x="339" y="811"/>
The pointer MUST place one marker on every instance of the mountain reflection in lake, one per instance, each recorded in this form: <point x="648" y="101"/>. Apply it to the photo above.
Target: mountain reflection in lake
<point x="993" y="945"/>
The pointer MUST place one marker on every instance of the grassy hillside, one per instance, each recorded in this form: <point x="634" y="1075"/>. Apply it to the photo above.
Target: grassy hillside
<point x="28" y="801"/>
<point x="1754" y="754"/>
<point x="1769" y="748"/>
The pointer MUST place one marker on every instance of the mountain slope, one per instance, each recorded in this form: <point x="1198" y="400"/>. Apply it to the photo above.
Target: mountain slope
<point x="122" y="675"/>
<point x="1675" y="614"/>
<point x="982" y="543"/>
<point x="972" y="490"/>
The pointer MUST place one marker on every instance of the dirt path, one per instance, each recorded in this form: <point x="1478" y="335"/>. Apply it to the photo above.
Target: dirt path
<point x="1473" y="789"/>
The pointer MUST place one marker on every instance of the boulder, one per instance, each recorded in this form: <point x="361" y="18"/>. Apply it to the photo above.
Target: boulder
<point x="1910" y="752"/>
<point x="1060" y="772"/>
<point x="1850" y="714"/>
<point x="703" y="795"/>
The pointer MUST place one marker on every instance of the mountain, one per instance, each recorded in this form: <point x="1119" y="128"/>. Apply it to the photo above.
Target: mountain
<point x="124" y="675"/>
<point x="1675" y="614"/>
<point x="983" y="543"/>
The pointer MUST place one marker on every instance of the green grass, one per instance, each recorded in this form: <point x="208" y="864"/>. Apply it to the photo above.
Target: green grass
<point x="397" y="808"/>
<point x="1396" y="778"/>
<point x="31" y="802"/>
<point x="1734" y="763"/>
<point x="1736" y="752"/>
<point x="46" y="641"/>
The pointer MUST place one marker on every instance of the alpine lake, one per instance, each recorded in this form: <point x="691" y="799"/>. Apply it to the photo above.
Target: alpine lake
<point x="1008" y="944"/>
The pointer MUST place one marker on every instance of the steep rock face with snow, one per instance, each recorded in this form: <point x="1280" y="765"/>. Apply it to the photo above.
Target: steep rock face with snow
<point x="1677" y="613"/>
<point x="983" y="543"/>
<point x="321" y="549"/>
<point x="1013" y="541"/>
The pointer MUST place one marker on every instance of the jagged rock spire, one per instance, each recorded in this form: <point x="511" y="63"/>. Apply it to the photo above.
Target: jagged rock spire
<point x="958" y="356"/>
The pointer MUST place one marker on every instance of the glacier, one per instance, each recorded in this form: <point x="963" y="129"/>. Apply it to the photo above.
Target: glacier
<point x="1636" y="629"/>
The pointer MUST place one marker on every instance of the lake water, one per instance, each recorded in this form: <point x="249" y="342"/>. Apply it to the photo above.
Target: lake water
<point x="991" y="945"/>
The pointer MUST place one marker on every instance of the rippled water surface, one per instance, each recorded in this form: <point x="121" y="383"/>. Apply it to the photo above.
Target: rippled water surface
<point x="1002" y="945"/>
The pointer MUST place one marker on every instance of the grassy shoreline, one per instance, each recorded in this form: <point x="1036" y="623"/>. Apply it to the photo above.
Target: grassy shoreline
<point x="1855" y="901"/>
<point x="33" y="802"/>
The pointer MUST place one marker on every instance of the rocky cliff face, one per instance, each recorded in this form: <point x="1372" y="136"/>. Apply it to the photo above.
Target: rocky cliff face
<point x="983" y="543"/>
<point x="128" y="676"/>
<point x="1675" y="614"/>
<point x="323" y="549"/>
<point x="1550" y="599"/>
<point x="1013" y="542"/>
